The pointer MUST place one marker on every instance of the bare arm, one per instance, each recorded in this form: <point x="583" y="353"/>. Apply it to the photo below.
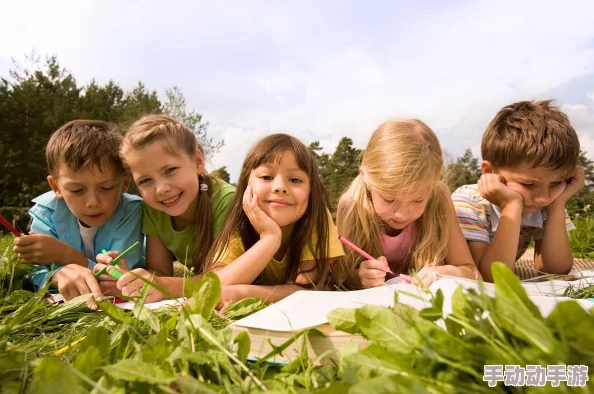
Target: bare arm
<point x="159" y="259"/>
<point x="552" y="253"/>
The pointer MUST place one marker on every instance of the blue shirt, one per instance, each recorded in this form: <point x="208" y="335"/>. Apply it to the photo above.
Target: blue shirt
<point x="52" y="217"/>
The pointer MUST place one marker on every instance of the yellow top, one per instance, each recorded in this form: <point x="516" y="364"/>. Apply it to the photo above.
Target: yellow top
<point x="276" y="271"/>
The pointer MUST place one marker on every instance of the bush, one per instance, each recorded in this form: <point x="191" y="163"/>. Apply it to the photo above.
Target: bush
<point x="581" y="240"/>
<point x="9" y="212"/>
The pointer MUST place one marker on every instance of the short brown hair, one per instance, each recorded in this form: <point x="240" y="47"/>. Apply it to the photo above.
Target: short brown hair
<point x="533" y="132"/>
<point x="83" y="143"/>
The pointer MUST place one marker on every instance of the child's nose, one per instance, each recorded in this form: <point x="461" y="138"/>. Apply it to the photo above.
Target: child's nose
<point x="163" y="188"/>
<point x="542" y="198"/>
<point x="279" y="186"/>
<point x="92" y="201"/>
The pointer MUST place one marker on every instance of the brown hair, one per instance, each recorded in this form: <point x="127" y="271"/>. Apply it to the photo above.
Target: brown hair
<point x="177" y="137"/>
<point x="533" y="132"/>
<point x="83" y="143"/>
<point x="401" y="156"/>
<point x="314" y="221"/>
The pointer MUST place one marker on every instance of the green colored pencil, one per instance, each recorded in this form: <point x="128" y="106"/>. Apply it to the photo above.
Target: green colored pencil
<point x="115" y="261"/>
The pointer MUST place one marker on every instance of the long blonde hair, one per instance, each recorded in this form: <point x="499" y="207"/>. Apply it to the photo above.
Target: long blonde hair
<point x="401" y="156"/>
<point x="178" y="140"/>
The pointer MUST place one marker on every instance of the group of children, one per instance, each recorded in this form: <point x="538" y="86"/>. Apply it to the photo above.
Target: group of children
<point x="273" y="233"/>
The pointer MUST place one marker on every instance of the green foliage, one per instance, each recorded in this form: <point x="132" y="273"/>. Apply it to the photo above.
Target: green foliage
<point x="222" y="174"/>
<point x="466" y="170"/>
<point x="581" y="240"/>
<point x="339" y="169"/>
<point x="37" y="99"/>
<point x="176" y="107"/>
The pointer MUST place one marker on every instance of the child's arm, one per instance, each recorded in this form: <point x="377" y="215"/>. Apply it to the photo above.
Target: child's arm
<point x="42" y="246"/>
<point x="552" y="253"/>
<point x="159" y="259"/>
<point x="504" y="246"/>
<point x="246" y="268"/>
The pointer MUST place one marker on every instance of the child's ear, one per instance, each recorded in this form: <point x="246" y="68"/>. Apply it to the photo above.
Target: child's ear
<point x="54" y="185"/>
<point x="486" y="167"/>
<point x="126" y="184"/>
<point x="200" y="165"/>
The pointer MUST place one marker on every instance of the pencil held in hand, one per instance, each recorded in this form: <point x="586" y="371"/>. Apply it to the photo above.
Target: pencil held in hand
<point x="357" y="249"/>
<point x="115" y="261"/>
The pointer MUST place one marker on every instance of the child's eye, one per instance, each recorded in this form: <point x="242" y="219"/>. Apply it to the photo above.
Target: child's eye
<point x="266" y="177"/>
<point x="76" y="191"/>
<point x="419" y="201"/>
<point x="295" y="180"/>
<point x="527" y="184"/>
<point x="557" y="183"/>
<point x="388" y="200"/>
<point x="143" y="181"/>
<point x="170" y="170"/>
<point x="108" y="188"/>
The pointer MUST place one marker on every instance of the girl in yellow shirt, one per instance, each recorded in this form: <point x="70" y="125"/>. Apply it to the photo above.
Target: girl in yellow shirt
<point x="279" y="236"/>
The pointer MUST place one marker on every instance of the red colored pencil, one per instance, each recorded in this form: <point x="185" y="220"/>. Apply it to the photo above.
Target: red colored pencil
<point x="9" y="226"/>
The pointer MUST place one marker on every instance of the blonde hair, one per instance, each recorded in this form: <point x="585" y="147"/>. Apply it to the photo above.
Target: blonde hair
<point x="315" y="220"/>
<point x="401" y="156"/>
<point x="177" y="138"/>
<point x="537" y="133"/>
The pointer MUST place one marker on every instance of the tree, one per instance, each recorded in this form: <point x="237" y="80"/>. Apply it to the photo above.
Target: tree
<point x="583" y="202"/>
<point x="101" y="102"/>
<point x="340" y="169"/>
<point x="176" y="107"/>
<point x="35" y="102"/>
<point x="322" y="159"/>
<point x="222" y="174"/>
<point x="140" y="102"/>
<point x="464" y="171"/>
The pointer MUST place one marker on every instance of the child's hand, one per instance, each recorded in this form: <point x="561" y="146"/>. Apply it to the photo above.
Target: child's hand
<point x="73" y="280"/>
<point x="230" y="294"/>
<point x="262" y="223"/>
<point x="428" y="275"/>
<point x="372" y="273"/>
<point x="107" y="282"/>
<point x="131" y="286"/>
<point x="575" y="183"/>
<point x="41" y="249"/>
<point x="493" y="188"/>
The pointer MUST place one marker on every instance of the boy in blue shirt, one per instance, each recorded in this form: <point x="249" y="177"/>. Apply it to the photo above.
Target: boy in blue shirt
<point x="86" y="211"/>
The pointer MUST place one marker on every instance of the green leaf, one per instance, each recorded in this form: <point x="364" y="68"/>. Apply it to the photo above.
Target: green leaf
<point x="52" y="376"/>
<point x="189" y="385"/>
<point x="243" y="346"/>
<point x="116" y="314"/>
<point x="516" y="313"/>
<point x="344" y="320"/>
<point x="184" y="354"/>
<point x="381" y="325"/>
<point x="131" y="370"/>
<point x="575" y="325"/>
<point x="206" y="297"/>
<point x="88" y="360"/>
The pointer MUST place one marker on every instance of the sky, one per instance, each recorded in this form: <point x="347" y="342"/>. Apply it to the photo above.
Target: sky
<point x="324" y="70"/>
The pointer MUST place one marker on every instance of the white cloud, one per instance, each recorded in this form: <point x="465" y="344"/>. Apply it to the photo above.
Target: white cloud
<point x="321" y="71"/>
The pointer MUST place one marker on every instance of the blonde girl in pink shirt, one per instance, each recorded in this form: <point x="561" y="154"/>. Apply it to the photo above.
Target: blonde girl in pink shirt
<point x="398" y="210"/>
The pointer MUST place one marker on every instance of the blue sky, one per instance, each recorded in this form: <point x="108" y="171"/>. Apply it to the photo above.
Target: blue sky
<point x="324" y="70"/>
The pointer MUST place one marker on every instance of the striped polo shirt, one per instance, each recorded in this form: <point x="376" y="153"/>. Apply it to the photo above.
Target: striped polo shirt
<point x="474" y="216"/>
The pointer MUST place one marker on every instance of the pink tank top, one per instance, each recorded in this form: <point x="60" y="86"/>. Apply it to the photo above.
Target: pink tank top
<point x="397" y="248"/>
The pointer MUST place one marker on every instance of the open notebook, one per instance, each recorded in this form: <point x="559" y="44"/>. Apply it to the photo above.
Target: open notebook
<point x="309" y="309"/>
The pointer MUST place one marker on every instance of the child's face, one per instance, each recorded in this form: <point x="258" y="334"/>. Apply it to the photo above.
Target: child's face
<point x="399" y="209"/>
<point x="282" y="188"/>
<point x="91" y="194"/>
<point x="538" y="186"/>
<point x="166" y="182"/>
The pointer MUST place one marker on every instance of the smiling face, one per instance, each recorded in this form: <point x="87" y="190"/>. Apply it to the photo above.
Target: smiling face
<point x="166" y="182"/>
<point x="92" y="194"/>
<point x="538" y="186"/>
<point x="397" y="210"/>
<point x="283" y="189"/>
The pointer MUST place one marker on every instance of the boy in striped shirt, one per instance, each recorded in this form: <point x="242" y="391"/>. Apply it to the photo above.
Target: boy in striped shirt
<point x="529" y="170"/>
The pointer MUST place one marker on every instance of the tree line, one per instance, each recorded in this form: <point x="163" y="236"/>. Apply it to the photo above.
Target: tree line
<point x="35" y="101"/>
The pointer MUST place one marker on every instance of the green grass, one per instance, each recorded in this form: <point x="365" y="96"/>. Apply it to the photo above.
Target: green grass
<point x="581" y="239"/>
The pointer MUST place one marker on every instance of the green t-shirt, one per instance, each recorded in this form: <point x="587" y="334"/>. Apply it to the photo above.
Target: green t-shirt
<point x="158" y="223"/>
